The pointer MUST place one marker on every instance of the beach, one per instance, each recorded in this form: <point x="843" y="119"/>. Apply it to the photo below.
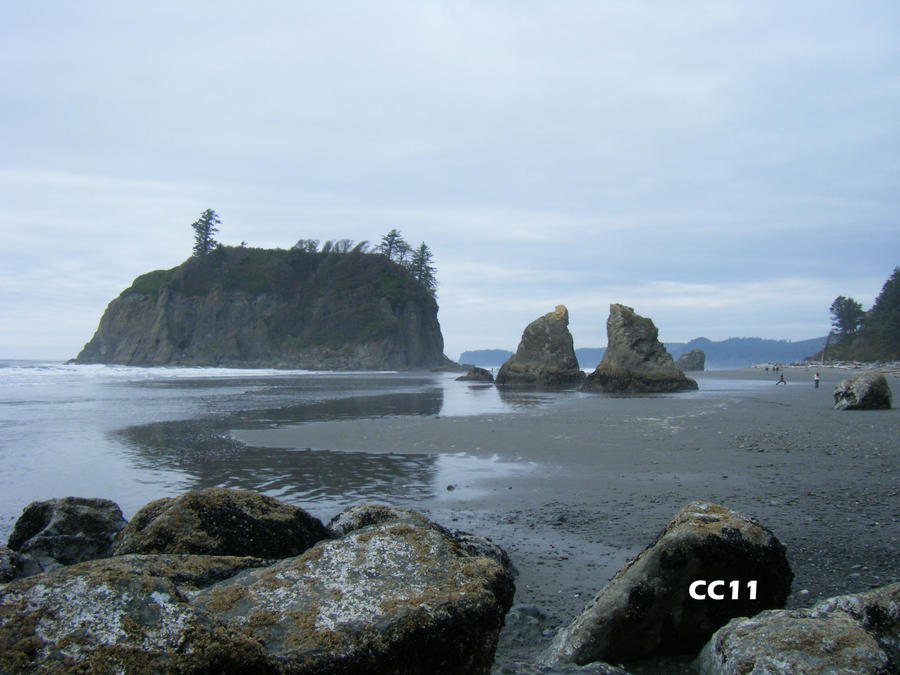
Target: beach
<point x="570" y="484"/>
<point x="586" y="482"/>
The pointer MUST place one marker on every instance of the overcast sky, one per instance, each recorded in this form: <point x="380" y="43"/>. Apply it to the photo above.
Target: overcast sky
<point x="726" y="168"/>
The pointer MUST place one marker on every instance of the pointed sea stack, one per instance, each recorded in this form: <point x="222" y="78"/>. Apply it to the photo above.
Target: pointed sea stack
<point x="546" y="355"/>
<point x="635" y="360"/>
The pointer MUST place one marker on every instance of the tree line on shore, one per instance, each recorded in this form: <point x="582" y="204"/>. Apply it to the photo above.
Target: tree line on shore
<point x="418" y="261"/>
<point x="872" y="335"/>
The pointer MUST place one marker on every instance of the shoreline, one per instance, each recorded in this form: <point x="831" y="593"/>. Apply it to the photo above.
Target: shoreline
<point x="608" y="472"/>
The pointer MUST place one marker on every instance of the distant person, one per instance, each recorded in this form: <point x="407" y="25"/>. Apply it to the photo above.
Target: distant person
<point x="767" y="370"/>
<point x="781" y="380"/>
<point x="816" y="379"/>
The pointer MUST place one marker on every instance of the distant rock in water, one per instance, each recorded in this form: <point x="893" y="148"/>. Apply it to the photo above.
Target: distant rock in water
<point x="635" y="361"/>
<point x="476" y="374"/>
<point x="692" y="360"/>
<point x="869" y="391"/>
<point x="245" y="307"/>
<point x="546" y="355"/>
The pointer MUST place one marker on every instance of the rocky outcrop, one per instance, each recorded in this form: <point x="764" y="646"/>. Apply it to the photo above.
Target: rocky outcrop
<point x="546" y="355"/>
<point x="847" y="634"/>
<point x="219" y="521"/>
<point x="635" y="361"/>
<point x="393" y="597"/>
<point x="395" y="593"/>
<point x="694" y="360"/>
<point x="64" y="531"/>
<point x="476" y="374"/>
<point x="647" y="609"/>
<point x="869" y="391"/>
<point x="247" y="307"/>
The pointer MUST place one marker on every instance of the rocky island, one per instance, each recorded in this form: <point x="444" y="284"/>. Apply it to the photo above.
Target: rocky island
<point x="297" y="308"/>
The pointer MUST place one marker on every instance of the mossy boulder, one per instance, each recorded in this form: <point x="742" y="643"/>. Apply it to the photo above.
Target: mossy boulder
<point x="646" y="610"/>
<point x="869" y="391"/>
<point x="64" y="531"/>
<point x="124" y="614"/>
<point x="386" y="598"/>
<point x="220" y="521"/>
<point x="857" y="633"/>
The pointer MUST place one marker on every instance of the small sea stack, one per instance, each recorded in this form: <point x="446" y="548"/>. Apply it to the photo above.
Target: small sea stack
<point x="635" y="360"/>
<point x="546" y="357"/>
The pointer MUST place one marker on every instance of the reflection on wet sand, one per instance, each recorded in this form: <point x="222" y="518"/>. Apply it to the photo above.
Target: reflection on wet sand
<point x="202" y="453"/>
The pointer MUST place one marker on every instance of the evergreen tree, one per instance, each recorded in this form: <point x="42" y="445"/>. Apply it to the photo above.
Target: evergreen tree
<point x="394" y="246"/>
<point x="422" y="269"/>
<point x="846" y="316"/>
<point x="204" y="229"/>
<point x="881" y="330"/>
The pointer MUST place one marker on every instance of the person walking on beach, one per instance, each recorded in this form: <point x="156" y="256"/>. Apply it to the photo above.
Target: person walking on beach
<point x="781" y="380"/>
<point x="816" y="379"/>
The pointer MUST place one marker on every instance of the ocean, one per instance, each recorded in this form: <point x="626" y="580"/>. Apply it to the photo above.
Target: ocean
<point x="137" y="434"/>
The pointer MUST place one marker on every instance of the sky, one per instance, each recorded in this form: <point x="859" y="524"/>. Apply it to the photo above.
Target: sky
<point x="725" y="168"/>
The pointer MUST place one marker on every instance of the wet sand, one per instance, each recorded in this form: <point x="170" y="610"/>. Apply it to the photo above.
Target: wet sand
<point x="599" y="476"/>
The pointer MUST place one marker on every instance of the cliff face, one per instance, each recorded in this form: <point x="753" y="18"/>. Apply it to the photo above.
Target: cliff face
<point x="273" y="308"/>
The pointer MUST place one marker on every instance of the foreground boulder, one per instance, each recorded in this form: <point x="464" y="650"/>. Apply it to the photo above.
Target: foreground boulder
<point x="546" y="355"/>
<point x="476" y="374"/>
<point x="847" y="634"/>
<point x="391" y="598"/>
<point x="64" y="531"/>
<point x="124" y="614"/>
<point x="219" y="521"/>
<point x="635" y="361"/>
<point x="692" y="360"/>
<point x="396" y="593"/>
<point x="869" y="391"/>
<point x="647" y="609"/>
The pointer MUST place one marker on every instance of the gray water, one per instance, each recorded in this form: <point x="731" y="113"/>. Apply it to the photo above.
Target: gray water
<point x="137" y="434"/>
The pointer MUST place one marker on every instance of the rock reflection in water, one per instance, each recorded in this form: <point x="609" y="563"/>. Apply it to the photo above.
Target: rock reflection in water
<point x="323" y="479"/>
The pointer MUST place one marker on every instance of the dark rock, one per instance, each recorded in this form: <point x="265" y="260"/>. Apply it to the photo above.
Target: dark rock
<point x="122" y="614"/>
<point x="635" y="361"/>
<point x="64" y="531"/>
<point x="869" y="391"/>
<point x="219" y="521"/>
<point x="646" y="609"/>
<point x="795" y="641"/>
<point x="10" y="564"/>
<point x="393" y="597"/>
<point x="546" y="355"/>
<point x="476" y="374"/>
<point x="692" y="360"/>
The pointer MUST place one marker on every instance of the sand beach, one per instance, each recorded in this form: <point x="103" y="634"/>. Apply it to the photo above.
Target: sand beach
<point x="592" y="479"/>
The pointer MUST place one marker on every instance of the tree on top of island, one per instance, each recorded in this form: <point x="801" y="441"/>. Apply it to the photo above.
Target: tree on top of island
<point x="204" y="229"/>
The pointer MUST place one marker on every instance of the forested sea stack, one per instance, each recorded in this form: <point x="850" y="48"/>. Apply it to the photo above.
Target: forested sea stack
<point x="334" y="308"/>
<point x="635" y="361"/>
